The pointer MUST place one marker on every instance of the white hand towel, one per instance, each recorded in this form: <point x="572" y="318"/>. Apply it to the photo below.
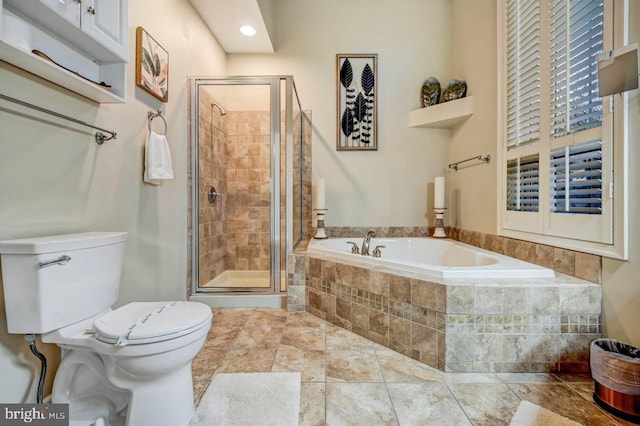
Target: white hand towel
<point x="157" y="161"/>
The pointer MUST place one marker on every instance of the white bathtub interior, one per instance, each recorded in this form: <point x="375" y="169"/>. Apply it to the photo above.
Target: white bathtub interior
<point x="440" y="258"/>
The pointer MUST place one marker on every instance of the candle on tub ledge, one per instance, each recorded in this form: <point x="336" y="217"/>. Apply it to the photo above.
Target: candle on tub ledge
<point x="438" y="193"/>
<point x="438" y="207"/>
<point x="321" y="194"/>
<point x="321" y="208"/>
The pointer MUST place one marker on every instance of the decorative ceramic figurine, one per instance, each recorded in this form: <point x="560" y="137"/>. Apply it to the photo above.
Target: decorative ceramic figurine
<point x="430" y="92"/>
<point x="456" y="89"/>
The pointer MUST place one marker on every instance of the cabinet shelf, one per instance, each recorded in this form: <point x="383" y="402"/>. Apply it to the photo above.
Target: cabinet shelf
<point x="45" y="69"/>
<point x="443" y="116"/>
<point x="20" y="34"/>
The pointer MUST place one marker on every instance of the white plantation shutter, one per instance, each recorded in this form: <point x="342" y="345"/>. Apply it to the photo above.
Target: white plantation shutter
<point x="558" y="176"/>
<point x="523" y="72"/>
<point x="523" y="183"/>
<point x="576" y="177"/>
<point x="576" y="38"/>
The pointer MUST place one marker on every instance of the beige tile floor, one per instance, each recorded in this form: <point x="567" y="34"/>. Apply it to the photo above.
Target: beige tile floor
<point x="348" y="380"/>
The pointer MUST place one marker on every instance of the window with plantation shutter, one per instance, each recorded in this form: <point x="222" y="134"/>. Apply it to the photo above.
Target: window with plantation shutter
<point x="523" y="73"/>
<point x="576" y="38"/>
<point x="557" y="142"/>
<point x="523" y="181"/>
<point x="576" y="178"/>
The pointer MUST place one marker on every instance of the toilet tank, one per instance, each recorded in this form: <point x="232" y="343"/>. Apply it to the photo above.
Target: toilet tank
<point x="51" y="282"/>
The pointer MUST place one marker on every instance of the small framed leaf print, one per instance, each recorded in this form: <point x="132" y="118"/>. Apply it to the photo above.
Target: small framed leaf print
<point x="152" y="66"/>
<point x="357" y="88"/>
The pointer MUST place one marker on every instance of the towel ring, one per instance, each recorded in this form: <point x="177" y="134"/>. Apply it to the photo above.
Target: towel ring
<point x="151" y="115"/>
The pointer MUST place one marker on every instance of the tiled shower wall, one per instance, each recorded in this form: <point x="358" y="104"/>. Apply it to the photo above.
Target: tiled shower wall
<point x="215" y="166"/>
<point x="248" y="194"/>
<point x="213" y="163"/>
<point x="307" y="211"/>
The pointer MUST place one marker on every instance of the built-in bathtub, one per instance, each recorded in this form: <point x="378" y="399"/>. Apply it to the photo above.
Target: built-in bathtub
<point x="464" y="310"/>
<point x="433" y="257"/>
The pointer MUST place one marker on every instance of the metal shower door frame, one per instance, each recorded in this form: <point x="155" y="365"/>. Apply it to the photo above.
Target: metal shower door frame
<point x="274" y="181"/>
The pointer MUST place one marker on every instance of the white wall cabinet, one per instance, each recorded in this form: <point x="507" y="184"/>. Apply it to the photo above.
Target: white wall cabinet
<point x="103" y="21"/>
<point x="68" y="9"/>
<point x="87" y="37"/>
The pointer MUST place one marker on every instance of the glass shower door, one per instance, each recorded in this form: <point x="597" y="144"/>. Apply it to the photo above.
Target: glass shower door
<point x="247" y="186"/>
<point x="234" y="163"/>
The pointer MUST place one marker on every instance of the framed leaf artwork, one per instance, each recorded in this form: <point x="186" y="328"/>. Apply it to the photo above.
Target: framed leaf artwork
<point x="152" y="66"/>
<point x="357" y="88"/>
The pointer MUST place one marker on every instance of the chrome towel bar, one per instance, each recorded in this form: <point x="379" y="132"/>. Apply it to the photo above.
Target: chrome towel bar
<point x="100" y="136"/>
<point x="486" y="159"/>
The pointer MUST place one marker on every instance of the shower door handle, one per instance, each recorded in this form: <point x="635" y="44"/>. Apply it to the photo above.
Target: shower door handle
<point x="212" y="195"/>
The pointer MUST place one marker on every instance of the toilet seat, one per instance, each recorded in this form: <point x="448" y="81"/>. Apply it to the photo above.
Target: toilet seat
<point x="150" y="322"/>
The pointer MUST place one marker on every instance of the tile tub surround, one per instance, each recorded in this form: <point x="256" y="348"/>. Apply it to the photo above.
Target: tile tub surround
<point x="577" y="264"/>
<point x="465" y="325"/>
<point x="297" y="279"/>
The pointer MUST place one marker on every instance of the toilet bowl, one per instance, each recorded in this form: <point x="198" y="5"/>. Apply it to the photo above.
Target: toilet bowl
<point x="128" y="366"/>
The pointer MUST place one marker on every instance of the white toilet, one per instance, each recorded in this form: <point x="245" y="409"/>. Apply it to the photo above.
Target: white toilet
<point x="129" y="366"/>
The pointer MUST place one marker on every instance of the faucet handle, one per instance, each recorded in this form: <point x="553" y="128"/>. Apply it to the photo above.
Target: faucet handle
<point x="377" y="252"/>
<point x="354" y="247"/>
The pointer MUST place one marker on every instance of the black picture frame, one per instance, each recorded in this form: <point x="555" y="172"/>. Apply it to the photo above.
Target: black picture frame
<point x="357" y="104"/>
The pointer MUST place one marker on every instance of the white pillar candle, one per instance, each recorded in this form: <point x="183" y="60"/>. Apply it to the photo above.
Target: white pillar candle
<point x="438" y="193"/>
<point x="321" y="194"/>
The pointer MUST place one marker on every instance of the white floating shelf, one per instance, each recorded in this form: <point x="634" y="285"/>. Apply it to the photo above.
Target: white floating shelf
<point x="443" y="116"/>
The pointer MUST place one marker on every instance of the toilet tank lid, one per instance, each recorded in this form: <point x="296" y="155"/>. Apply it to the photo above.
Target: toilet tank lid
<point x="56" y="243"/>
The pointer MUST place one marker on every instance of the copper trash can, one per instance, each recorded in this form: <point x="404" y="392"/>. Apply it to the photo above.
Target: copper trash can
<point x="615" y="367"/>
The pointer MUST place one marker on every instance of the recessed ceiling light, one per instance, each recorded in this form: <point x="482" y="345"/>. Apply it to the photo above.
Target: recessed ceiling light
<point x="248" y="30"/>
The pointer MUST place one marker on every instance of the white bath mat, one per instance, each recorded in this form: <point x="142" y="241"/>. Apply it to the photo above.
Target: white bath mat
<point x="249" y="399"/>
<point x="529" y="414"/>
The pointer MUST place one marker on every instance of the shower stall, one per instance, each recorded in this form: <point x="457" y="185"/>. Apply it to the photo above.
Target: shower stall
<point x="250" y="183"/>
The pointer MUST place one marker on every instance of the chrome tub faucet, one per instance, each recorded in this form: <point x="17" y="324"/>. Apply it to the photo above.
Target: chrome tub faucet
<point x="366" y="243"/>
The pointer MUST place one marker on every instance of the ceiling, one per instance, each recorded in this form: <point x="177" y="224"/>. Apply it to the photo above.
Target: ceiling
<point x="225" y="17"/>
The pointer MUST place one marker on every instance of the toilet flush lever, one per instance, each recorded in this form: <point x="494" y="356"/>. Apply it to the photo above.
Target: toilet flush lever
<point x="62" y="260"/>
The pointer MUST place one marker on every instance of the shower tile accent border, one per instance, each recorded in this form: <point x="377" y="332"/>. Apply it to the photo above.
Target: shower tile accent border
<point x="480" y="326"/>
<point x="574" y="263"/>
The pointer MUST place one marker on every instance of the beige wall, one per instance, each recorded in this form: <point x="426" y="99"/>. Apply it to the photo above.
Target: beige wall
<point x="55" y="179"/>
<point x="621" y="280"/>
<point x="473" y="59"/>
<point x="412" y="40"/>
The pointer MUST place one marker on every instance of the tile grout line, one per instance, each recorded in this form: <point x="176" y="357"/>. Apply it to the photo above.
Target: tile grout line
<point x="386" y="387"/>
<point x="457" y="402"/>
<point x="326" y="388"/>
<point x="277" y="348"/>
<point x="614" y="418"/>
<point x="210" y="379"/>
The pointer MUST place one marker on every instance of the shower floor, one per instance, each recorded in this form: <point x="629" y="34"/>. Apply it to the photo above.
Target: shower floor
<point x="258" y="294"/>
<point x="240" y="279"/>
